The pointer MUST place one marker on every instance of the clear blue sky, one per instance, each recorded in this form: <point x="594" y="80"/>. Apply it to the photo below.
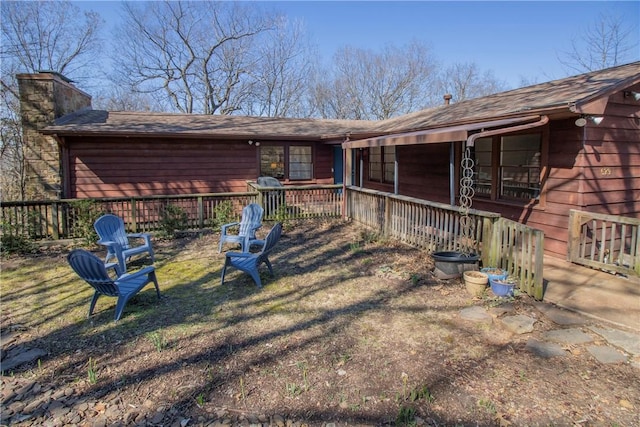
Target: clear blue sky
<point x="514" y="39"/>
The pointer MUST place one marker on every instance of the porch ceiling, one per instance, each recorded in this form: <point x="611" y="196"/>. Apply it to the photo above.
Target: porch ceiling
<point x="438" y="135"/>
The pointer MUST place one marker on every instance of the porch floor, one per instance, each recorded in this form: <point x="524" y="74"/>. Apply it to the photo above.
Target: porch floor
<point x="593" y="293"/>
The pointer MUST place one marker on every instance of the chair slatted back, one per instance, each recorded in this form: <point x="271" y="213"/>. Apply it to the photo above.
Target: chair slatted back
<point x="111" y="227"/>
<point x="92" y="270"/>
<point x="251" y="219"/>
<point x="271" y="240"/>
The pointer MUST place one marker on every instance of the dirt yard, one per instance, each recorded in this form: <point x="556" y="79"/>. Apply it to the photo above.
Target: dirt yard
<point x="352" y="330"/>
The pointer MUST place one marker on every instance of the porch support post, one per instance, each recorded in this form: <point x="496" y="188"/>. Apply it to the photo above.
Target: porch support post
<point x="361" y="166"/>
<point x="395" y="171"/>
<point x="347" y="179"/>
<point x="348" y="167"/>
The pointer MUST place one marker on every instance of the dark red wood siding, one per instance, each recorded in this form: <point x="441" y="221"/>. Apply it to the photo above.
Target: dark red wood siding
<point x="599" y="175"/>
<point x="595" y="168"/>
<point x="116" y="167"/>
<point x="424" y="171"/>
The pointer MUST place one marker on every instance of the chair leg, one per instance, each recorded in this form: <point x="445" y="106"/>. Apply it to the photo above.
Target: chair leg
<point x="224" y="270"/>
<point x="93" y="303"/>
<point x="266" y="261"/>
<point x="152" y="277"/>
<point x="109" y="256"/>
<point x="122" y="301"/>
<point x="255" y="275"/>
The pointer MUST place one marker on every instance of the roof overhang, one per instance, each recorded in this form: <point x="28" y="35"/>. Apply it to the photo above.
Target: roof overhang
<point x="438" y="135"/>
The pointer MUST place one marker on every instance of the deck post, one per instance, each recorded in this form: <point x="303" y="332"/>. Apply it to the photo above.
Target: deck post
<point x="200" y="212"/>
<point x="386" y="225"/>
<point x="134" y="216"/>
<point x="55" y="221"/>
<point x="487" y="237"/>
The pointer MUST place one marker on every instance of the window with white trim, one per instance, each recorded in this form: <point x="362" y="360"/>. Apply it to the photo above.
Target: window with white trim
<point x="300" y="162"/>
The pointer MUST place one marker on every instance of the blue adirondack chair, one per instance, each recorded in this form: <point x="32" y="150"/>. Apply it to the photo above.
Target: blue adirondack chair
<point x="250" y="262"/>
<point x="93" y="271"/>
<point x="250" y="222"/>
<point x="112" y="234"/>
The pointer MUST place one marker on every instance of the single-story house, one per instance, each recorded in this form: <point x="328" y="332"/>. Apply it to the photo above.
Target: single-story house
<point x="536" y="152"/>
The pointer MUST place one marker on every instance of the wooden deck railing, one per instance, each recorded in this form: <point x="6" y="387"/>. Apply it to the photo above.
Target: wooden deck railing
<point x="420" y="223"/>
<point x="607" y="242"/>
<point x="436" y="227"/>
<point x="297" y="202"/>
<point x="60" y="219"/>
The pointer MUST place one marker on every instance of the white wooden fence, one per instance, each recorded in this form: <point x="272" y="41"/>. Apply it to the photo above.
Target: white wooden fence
<point x="432" y="226"/>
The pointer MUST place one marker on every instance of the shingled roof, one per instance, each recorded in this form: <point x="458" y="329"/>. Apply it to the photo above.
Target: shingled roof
<point x="561" y="97"/>
<point x="100" y="122"/>
<point x="568" y="96"/>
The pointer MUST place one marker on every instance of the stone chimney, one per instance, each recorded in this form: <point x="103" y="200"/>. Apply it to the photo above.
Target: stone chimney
<point x="447" y="98"/>
<point x="45" y="97"/>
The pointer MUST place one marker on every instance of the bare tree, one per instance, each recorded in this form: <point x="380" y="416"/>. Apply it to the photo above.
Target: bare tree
<point x="49" y="35"/>
<point x="200" y="54"/>
<point x="282" y="73"/>
<point x="45" y="35"/>
<point x="606" y="43"/>
<point x="119" y="98"/>
<point x="368" y="85"/>
<point x="466" y="81"/>
<point x="330" y="99"/>
<point x="12" y="174"/>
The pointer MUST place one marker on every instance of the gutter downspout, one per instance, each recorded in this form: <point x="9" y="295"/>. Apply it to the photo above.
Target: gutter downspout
<point x="470" y="142"/>
<point x="452" y="172"/>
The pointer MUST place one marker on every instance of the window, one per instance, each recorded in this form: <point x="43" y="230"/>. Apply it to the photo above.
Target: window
<point x="484" y="170"/>
<point x="382" y="164"/>
<point x="272" y="161"/>
<point x="508" y="167"/>
<point x="375" y="163"/>
<point x="300" y="162"/>
<point x="299" y="166"/>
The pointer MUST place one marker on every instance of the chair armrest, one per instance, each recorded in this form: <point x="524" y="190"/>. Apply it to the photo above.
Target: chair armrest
<point x="226" y="226"/>
<point x="239" y="255"/>
<point x="111" y="244"/>
<point x="257" y="242"/>
<point x="141" y="272"/>
<point x="145" y="236"/>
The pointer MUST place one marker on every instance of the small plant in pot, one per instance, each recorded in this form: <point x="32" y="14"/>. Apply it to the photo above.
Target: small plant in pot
<point x="502" y="287"/>
<point x="495" y="273"/>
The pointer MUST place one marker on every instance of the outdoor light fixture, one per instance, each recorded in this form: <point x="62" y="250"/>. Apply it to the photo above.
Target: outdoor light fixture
<point x="257" y="144"/>
<point x="634" y="95"/>
<point x="582" y="120"/>
<point x="250" y="142"/>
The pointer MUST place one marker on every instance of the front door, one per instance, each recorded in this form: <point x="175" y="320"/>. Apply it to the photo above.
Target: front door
<point x="337" y="164"/>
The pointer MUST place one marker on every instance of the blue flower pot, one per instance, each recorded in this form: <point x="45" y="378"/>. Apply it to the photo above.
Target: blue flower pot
<point x="492" y="272"/>
<point x="502" y="288"/>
